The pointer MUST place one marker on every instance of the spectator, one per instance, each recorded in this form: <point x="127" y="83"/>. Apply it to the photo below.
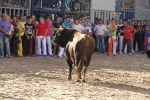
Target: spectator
<point x="72" y="22"/>
<point x="146" y="36"/>
<point x="57" y="24"/>
<point x="121" y="38"/>
<point x="78" y="26"/>
<point x="19" y="36"/>
<point x="5" y="28"/>
<point x="112" y="38"/>
<point x="106" y="38"/>
<point x="87" y="20"/>
<point x="127" y="36"/>
<point x="148" y="49"/>
<point x="93" y="35"/>
<point x="138" y="37"/>
<point x="67" y="23"/>
<point x="40" y="37"/>
<point x="87" y="29"/>
<point x="29" y="37"/>
<point x="100" y="31"/>
<point x="13" y="46"/>
<point x="48" y="35"/>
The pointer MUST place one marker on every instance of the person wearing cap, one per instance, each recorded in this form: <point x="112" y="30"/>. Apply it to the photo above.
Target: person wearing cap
<point x="5" y="28"/>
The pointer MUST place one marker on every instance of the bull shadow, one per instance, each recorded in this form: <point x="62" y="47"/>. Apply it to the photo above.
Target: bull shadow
<point x="121" y="87"/>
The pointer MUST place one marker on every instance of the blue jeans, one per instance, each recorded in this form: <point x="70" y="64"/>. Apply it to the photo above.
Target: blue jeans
<point x="1" y="46"/>
<point x="7" y="45"/>
<point x="100" y="39"/>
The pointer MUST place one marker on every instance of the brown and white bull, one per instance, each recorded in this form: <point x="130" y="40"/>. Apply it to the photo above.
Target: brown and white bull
<point x="79" y="49"/>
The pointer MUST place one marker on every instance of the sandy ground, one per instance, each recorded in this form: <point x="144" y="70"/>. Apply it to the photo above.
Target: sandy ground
<point x="124" y="77"/>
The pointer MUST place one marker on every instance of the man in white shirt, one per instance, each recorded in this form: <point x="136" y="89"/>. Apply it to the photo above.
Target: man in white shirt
<point x="100" y="31"/>
<point x="78" y="26"/>
<point x="87" y="29"/>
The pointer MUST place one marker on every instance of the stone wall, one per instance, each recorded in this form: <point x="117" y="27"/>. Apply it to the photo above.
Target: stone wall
<point x="141" y="11"/>
<point x="142" y="14"/>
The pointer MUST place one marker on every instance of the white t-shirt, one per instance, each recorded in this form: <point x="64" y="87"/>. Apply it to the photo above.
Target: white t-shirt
<point x="11" y="30"/>
<point x="87" y="29"/>
<point x="78" y="27"/>
<point x="100" y="29"/>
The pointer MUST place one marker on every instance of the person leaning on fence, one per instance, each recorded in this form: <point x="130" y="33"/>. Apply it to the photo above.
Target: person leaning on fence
<point x="19" y="36"/>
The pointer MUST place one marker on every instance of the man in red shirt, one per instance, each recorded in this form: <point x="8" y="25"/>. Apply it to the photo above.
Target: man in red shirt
<point x="40" y="37"/>
<point x="13" y="45"/>
<point x="127" y="36"/>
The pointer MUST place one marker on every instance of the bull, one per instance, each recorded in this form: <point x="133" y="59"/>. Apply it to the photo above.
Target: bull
<point x="79" y="49"/>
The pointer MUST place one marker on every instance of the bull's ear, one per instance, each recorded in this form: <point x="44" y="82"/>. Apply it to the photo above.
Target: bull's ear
<point x="59" y="29"/>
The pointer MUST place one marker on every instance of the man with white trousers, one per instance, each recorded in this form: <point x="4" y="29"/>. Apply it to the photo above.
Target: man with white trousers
<point x="48" y="36"/>
<point x="121" y="36"/>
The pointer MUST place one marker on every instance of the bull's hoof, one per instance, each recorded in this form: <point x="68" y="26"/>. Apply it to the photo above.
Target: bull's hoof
<point x="78" y="80"/>
<point x="83" y="81"/>
<point x="69" y="78"/>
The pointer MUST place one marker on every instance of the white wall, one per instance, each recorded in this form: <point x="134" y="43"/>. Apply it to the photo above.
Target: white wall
<point x="141" y="11"/>
<point x="103" y="5"/>
<point x="103" y="9"/>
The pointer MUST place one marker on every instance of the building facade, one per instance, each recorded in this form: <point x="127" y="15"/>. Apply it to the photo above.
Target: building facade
<point x="125" y="9"/>
<point x="138" y="9"/>
<point x="102" y="9"/>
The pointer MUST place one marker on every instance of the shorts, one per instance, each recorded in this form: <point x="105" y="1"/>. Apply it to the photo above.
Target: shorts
<point x="132" y="40"/>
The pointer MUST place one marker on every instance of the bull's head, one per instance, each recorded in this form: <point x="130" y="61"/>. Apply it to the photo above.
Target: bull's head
<point x="62" y="36"/>
<point x="58" y="30"/>
<point x="58" y="37"/>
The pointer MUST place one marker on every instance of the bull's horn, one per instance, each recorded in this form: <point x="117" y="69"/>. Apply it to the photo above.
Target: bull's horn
<point x="59" y="29"/>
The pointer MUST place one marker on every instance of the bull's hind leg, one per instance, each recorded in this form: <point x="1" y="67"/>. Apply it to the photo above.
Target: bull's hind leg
<point x="79" y="69"/>
<point x="87" y="60"/>
<point x="70" y="69"/>
<point x="85" y="69"/>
